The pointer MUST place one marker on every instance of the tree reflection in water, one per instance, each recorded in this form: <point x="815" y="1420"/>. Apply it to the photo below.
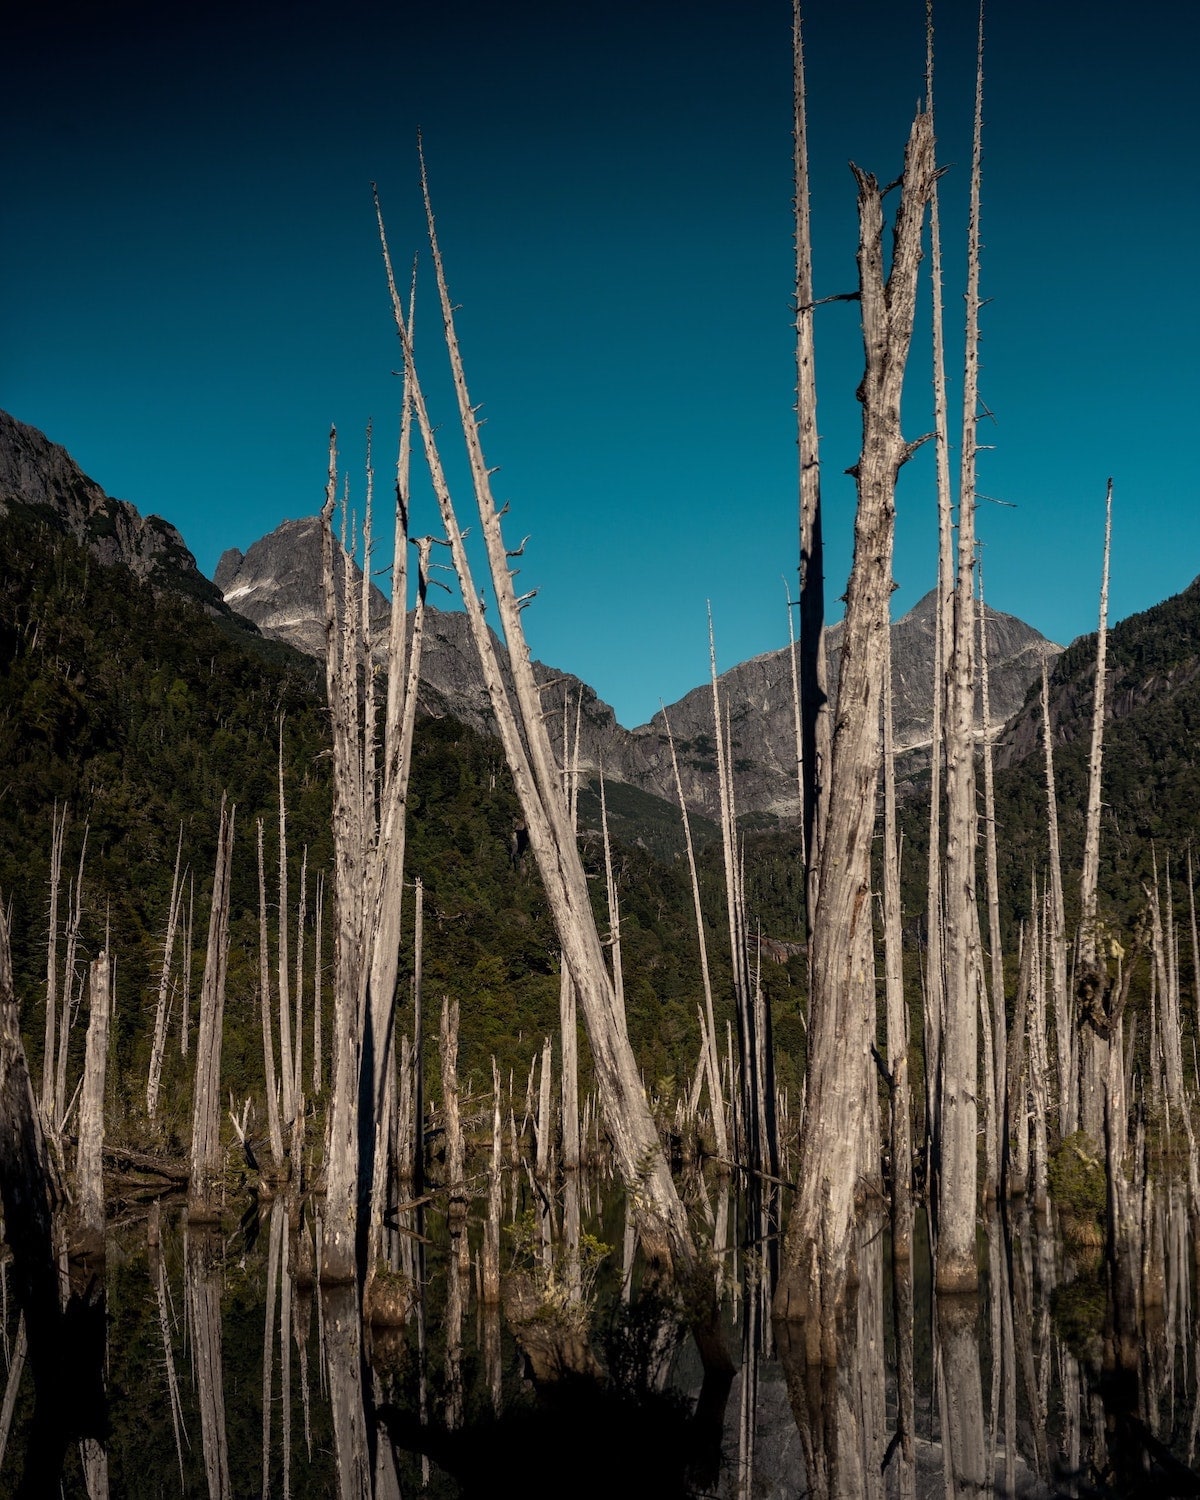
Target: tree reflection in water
<point x="1045" y="1383"/>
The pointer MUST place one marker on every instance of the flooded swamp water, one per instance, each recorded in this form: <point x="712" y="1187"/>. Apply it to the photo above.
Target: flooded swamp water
<point x="209" y="1363"/>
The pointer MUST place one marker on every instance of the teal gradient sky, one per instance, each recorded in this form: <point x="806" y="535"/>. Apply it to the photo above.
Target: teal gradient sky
<point x="191" y="289"/>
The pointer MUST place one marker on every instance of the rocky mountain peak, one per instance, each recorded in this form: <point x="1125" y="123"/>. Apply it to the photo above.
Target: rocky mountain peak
<point x="43" y="477"/>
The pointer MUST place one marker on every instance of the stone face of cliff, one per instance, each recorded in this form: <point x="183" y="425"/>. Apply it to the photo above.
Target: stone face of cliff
<point x="43" y="477"/>
<point x="277" y="585"/>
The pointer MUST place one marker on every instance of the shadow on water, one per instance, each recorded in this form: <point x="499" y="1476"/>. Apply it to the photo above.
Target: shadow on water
<point x="229" y="1373"/>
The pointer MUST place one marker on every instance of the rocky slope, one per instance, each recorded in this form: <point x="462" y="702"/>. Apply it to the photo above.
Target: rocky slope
<point x="277" y="585"/>
<point x="45" y="479"/>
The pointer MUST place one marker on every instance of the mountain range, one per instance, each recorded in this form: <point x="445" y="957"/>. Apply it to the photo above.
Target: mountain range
<point x="276" y="584"/>
<point x="274" y="587"/>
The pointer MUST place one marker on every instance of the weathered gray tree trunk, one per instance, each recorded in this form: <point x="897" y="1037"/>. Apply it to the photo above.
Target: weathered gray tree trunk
<point x="814" y="687"/>
<point x="998" y="1094"/>
<point x="897" y="1008"/>
<point x="1055" y="941"/>
<point x="955" y="1154"/>
<point x="935" y="965"/>
<point x="708" y="1019"/>
<point x="159" y="1047"/>
<point x="89" y="1159"/>
<point x="274" y="1127"/>
<point x="1093" y="1058"/>
<point x="204" y="1277"/>
<point x="204" y="1186"/>
<point x="522" y="730"/>
<point x="842" y="1003"/>
<point x="58" y="830"/>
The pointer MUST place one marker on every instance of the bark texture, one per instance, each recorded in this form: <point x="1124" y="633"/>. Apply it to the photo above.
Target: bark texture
<point x="842" y="1002"/>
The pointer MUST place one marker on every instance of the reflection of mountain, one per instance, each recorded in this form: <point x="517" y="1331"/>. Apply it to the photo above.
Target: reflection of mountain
<point x="277" y="585"/>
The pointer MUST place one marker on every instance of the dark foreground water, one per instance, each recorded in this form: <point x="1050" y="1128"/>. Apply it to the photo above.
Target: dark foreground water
<point x="208" y="1364"/>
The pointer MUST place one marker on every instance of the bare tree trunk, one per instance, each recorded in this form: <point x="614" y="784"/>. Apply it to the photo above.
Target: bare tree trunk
<point x="897" y="1009"/>
<point x="158" y="1050"/>
<point x="203" y="1275"/>
<point x="58" y="829"/>
<point x="89" y="1161"/>
<point x="1056" y="943"/>
<point x="1038" y="1066"/>
<point x="998" y="1092"/>
<point x="1093" y="1047"/>
<point x="185" y="1019"/>
<point x="318" y="925"/>
<point x="274" y="1127"/>
<point x="957" y="1185"/>
<point x="935" y="976"/>
<point x="448" y="1052"/>
<point x="75" y="907"/>
<point x="817" y="1250"/>
<point x="713" y="1068"/>
<point x="490" y="1278"/>
<point x="665" y="1229"/>
<point x="287" y="1069"/>
<point x="203" y="1198"/>
<point x="814" y="687"/>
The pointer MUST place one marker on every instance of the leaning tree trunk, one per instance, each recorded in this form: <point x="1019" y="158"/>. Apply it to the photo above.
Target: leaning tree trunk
<point x="663" y="1222"/>
<point x="842" y="1002"/>
<point x="203" y="1188"/>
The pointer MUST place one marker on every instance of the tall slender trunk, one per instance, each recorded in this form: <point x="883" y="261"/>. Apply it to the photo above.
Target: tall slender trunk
<point x="713" y="1067"/>
<point x="1055" y="940"/>
<point x="842" y="1003"/>
<point x="1093" y="1047"/>
<point x="89" y="1160"/>
<point x="935" y="967"/>
<point x="957" y="1185"/>
<point x="159" y="1047"/>
<point x="638" y="1149"/>
<point x="998" y="1092"/>
<point x="814" y="687"/>
<point x="897" y="1009"/>
<point x="203" y="1188"/>
<point x="287" y="1069"/>
<point x="274" y="1126"/>
<point x="58" y="829"/>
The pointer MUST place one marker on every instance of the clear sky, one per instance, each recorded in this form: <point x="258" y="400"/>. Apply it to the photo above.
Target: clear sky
<point x="191" y="289"/>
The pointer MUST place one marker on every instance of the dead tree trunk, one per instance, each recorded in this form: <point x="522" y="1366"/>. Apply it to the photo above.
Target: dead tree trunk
<point x="897" y="1009"/>
<point x="814" y="687"/>
<point x="1055" y="940"/>
<point x="712" y="1065"/>
<point x="957" y="1174"/>
<point x="287" y="1072"/>
<point x="644" y="1168"/>
<point x="203" y="1188"/>
<point x="89" y="1160"/>
<point x="1092" y="1045"/>
<point x="817" y="1249"/>
<point x="274" y="1127"/>
<point x="159" y="1048"/>
<point x="998" y="1091"/>
<point x="58" y="829"/>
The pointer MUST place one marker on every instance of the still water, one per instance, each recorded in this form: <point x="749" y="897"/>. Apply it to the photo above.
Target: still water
<point x="217" y="1368"/>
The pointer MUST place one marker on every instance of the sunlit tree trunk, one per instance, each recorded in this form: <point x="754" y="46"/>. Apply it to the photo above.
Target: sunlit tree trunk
<point x="842" y="1004"/>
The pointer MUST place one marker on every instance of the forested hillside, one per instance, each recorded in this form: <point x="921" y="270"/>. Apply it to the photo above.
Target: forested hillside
<point x="135" y="709"/>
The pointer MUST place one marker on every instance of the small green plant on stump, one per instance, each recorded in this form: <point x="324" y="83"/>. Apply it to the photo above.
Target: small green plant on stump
<point x="1075" y="1178"/>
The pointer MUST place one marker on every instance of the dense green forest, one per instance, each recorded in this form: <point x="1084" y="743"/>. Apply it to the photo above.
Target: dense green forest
<point x="135" y="709"/>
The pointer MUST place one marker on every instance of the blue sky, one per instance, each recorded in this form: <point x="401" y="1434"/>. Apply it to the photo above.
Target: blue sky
<point x="191" y="289"/>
